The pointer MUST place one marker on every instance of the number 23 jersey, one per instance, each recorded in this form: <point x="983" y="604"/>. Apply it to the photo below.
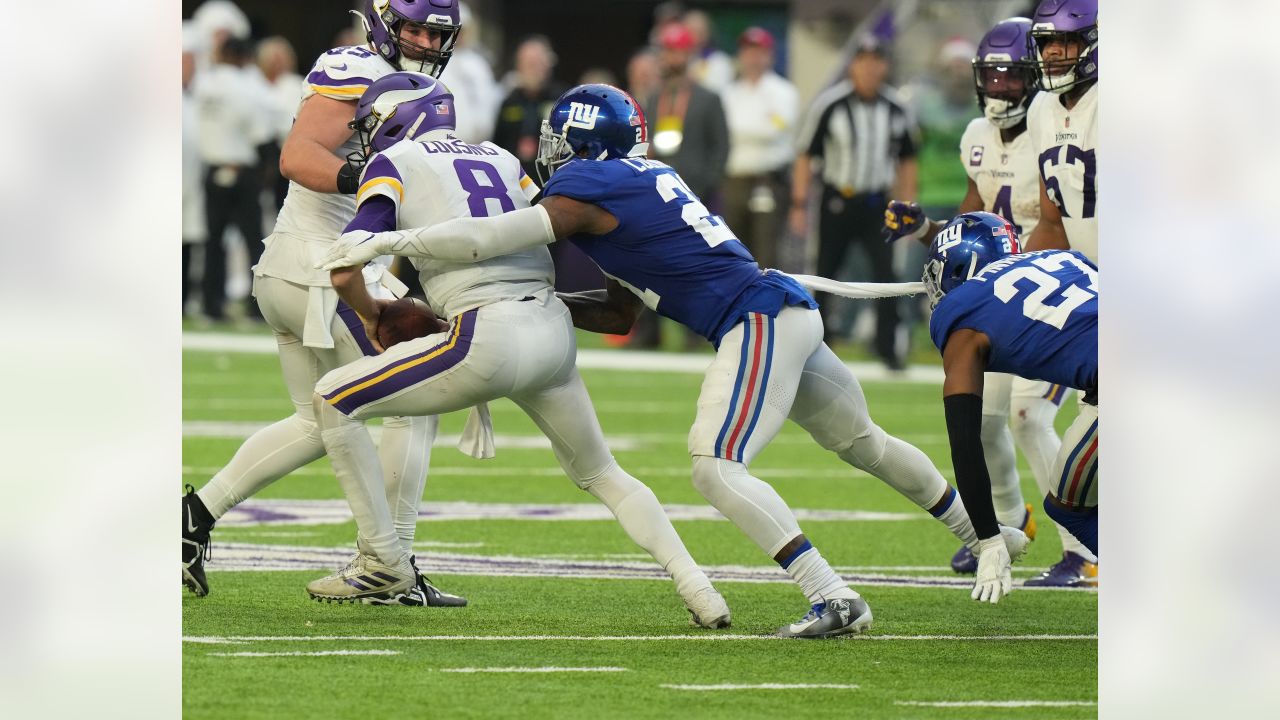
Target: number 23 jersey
<point x="680" y="259"/>
<point x="1038" y="309"/>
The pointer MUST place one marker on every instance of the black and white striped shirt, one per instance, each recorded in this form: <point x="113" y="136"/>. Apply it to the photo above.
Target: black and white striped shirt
<point x="859" y="142"/>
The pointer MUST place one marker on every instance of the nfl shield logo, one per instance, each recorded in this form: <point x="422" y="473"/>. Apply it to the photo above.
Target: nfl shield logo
<point x="975" y="155"/>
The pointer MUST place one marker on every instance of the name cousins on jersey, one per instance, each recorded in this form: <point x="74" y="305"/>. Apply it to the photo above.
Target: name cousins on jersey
<point x="456" y="147"/>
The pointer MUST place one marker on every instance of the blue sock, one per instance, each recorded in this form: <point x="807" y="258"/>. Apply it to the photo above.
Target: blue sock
<point x="1083" y="525"/>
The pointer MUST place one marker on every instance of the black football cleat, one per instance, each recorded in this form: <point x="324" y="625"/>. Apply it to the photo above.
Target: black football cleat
<point x="196" y="524"/>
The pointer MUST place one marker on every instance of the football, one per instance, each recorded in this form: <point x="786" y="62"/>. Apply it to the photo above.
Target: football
<point x="406" y="319"/>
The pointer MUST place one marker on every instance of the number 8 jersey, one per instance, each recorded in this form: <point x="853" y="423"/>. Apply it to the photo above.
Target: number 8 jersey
<point x="682" y="260"/>
<point x="1038" y="309"/>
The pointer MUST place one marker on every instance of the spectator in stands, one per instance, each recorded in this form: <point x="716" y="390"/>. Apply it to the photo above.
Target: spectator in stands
<point x="864" y="141"/>
<point x="762" y="109"/>
<point x="193" y="223"/>
<point x="709" y="66"/>
<point x="520" y="116"/>
<point x="279" y="67"/>
<point x="469" y="76"/>
<point x="233" y="123"/>
<point x="643" y="74"/>
<point x="601" y="75"/>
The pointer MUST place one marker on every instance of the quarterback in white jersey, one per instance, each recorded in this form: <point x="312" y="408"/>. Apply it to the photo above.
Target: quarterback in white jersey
<point x="1063" y="124"/>
<point x="509" y="335"/>
<point x="998" y="155"/>
<point x="315" y="332"/>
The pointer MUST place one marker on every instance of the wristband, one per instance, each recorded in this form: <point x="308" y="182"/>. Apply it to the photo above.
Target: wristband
<point x="348" y="179"/>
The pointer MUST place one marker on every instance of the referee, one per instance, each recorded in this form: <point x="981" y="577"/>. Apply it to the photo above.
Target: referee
<point x="864" y="142"/>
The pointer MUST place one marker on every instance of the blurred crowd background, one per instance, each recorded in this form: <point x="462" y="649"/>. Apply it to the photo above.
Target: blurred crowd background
<point x="739" y="97"/>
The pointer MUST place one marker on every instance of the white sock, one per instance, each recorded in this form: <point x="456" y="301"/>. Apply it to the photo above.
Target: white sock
<point x="816" y="578"/>
<point x="355" y="463"/>
<point x="953" y="515"/>
<point x="266" y="456"/>
<point x="641" y="516"/>
<point x="404" y="452"/>
<point x="751" y="504"/>
<point x="1002" y="466"/>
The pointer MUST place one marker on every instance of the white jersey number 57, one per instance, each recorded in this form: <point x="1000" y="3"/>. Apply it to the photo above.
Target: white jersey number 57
<point x="1034" y="307"/>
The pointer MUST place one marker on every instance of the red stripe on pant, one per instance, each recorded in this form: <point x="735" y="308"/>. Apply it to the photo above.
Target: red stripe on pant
<point x="748" y="398"/>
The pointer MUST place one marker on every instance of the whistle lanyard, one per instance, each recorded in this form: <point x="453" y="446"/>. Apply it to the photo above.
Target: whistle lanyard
<point x="681" y="99"/>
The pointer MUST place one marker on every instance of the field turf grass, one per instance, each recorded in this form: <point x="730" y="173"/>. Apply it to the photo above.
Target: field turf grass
<point x="929" y="644"/>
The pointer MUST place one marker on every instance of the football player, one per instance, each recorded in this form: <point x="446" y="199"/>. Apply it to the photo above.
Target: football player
<point x="1034" y="315"/>
<point x="1063" y="124"/>
<point x="659" y="246"/>
<point x="997" y="153"/>
<point x="315" y="332"/>
<point x="509" y="336"/>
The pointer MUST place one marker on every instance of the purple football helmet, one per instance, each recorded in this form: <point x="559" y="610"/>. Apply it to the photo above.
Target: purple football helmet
<point x="967" y="244"/>
<point x="601" y="120"/>
<point x="1071" y="21"/>
<point x="1003" y="73"/>
<point x="384" y="19"/>
<point x="402" y="106"/>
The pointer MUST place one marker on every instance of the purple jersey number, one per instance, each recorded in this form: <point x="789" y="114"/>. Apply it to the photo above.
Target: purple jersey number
<point x="1003" y="206"/>
<point x="478" y="193"/>
<point x="1086" y="158"/>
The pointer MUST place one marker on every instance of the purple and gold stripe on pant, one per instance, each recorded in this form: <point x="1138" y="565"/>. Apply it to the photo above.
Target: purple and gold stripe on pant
<point x="353" y="322"/>
<point x="406" y="371"/>
<point x="1055" y="394"/>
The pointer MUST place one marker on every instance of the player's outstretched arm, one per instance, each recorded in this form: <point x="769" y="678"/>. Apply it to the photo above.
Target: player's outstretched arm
<point x="906" y="219"/>
<point x="307" y="156"/>
<point x="1049" y="233"/>
<point x="612" y="310"/>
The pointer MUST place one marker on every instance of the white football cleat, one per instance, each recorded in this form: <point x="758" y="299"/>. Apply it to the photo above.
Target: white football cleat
<point x="365" y="579"/>
<point x="708" y="609"/>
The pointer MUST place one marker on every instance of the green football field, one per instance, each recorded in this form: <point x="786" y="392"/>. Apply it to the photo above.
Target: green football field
<point x="569" y="619"/>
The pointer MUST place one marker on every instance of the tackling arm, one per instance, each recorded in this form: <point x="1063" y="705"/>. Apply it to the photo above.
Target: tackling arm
<point x="1049" y="233"/>
<point x="612" y="310"/>
<point x="471" y="240"/>
<point x="307" y="156"/>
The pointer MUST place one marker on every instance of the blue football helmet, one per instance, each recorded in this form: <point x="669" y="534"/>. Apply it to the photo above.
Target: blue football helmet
<point x="964" y="246"/>
<point x="604" y="122"/>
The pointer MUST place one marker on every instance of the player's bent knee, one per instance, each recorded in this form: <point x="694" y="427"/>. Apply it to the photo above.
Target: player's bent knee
<point x="709" y="474"/>
<point x="306" y="426"/>
<point x="865" y="451"/>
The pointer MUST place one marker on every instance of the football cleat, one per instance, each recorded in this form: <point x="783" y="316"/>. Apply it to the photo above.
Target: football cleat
<point x="425" y="594"/>
<point x="964" y="562"/>
<point x="1071" y="571"/>
<point x="708" y="609"/>
<point x="838" y="616"/>
<point x="196" y="524"/>
<point x="365" y="579"/>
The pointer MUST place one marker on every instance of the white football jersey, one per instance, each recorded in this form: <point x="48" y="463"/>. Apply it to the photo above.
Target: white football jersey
<point x="1066" y="144"/>
<point x="1006" y="175"/>
<point x="437" y="177"/>
<point x="310" y="221"/>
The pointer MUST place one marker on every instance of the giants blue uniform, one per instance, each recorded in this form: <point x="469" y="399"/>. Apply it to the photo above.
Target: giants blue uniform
<point x="683" y="261"/>
<point x="1040" y="311"/>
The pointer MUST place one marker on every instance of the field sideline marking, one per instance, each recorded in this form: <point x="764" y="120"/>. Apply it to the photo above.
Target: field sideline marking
<point x="242" y="639"/>
<point x="763" y="686"/>
<point x="615" y="359"/>
<point x="997" y="703"/>
<point x="533" y="669"/>
<point x="317" y="653"/>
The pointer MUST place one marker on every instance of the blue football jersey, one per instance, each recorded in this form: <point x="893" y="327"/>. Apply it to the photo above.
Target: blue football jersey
<point x="668" y="249"/>
<point x="1040" y="311"/>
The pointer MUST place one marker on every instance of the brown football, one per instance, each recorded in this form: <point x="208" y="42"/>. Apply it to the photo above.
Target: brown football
<point x="406" y="319"/>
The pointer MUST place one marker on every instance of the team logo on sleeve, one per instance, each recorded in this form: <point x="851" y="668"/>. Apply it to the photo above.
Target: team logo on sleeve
<point x="975" y="155"/>
<point x="583" y="115"/>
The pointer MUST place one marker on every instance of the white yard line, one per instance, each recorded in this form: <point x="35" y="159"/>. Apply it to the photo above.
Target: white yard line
<point x="762" y="686"/>
<point x="607" y="669"/>
<point x="616" y="359"/>
<point x="242" y="639"/>
<point x="317" y="653"/>
<point x="997" y="703"/>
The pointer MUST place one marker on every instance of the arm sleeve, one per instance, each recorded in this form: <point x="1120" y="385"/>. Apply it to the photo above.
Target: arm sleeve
<point x="470" y="240"/>
<point x="376" y="215"/>
<point x="964" y="429"/>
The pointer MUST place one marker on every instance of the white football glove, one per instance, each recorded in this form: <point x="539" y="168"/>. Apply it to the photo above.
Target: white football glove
<point x="353" y="248"/>
<point x="995" y="578"/>
<point x="1015" y="541"/>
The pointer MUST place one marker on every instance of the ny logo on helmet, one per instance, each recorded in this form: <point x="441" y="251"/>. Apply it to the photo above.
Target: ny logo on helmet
<point x="583" y="115"/>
